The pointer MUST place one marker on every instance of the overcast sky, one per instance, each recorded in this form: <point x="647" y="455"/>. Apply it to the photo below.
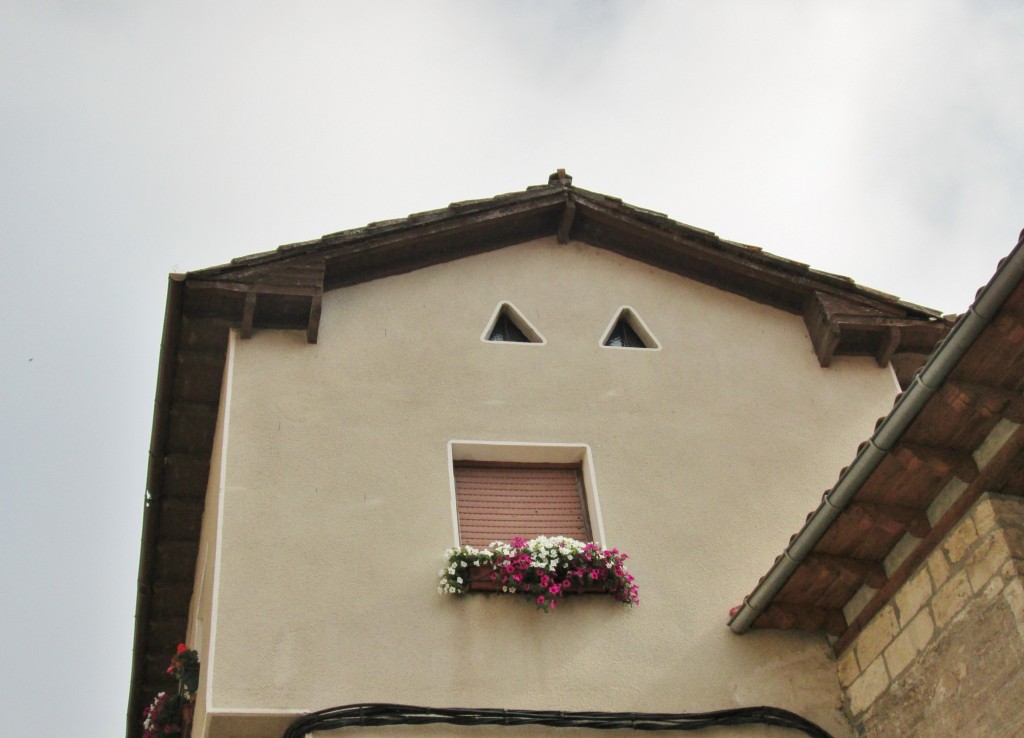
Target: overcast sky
<point x="881" y="140"/>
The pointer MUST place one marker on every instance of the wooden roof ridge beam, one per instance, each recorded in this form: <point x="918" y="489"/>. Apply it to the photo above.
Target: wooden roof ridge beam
<point x="248" y="314"/>
<point x="988" y="399"/>
<point x="867" y="571"/>
<point x="790" y="616"/>
<point x="887" y="345"/>
<point x="894" y="518"/>
<point x="313" y="326"/>
<point x="822" y="329"/>
<point x="568" y="216"/>
<point x="826" y="315"/>
<point x="942" y="459"/>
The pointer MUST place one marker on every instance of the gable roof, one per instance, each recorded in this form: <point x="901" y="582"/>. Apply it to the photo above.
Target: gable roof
<point x="957" y="432"/>
<point x="284" y="288"/>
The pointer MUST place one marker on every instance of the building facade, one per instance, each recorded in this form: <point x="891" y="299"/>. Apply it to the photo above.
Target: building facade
<point x="325" y="410"/>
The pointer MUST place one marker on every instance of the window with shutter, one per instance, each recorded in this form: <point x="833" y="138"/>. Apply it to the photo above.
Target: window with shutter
<point x="499" y="501"/>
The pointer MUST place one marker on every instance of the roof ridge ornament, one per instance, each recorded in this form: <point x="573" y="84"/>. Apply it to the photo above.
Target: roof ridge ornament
<point x="560" y="177"/>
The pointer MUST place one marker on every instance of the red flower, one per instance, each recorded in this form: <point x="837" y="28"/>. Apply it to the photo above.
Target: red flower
<point x="182" y="648"/>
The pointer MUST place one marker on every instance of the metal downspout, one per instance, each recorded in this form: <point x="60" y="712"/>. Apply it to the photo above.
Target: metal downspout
<point x="935" y="372"/>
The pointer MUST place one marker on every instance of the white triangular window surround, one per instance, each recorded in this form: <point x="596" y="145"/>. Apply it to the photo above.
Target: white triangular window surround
<point x="509" y="325"/>
<point x="628" y="330"/>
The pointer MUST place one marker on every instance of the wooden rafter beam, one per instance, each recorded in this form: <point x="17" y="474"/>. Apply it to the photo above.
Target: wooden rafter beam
<point x="313" y="327"/>
<point x="791" y="616"/>
<point x="248" y="314"/>
<point x="887" y="346"/>
<point x="941" y="459"/>
<point x="565" y="224"/>
<point x="996" y="467"/>
<point x="871" y="573"/>
<point x="986" y="399"/>
<point x="894" y="519"/>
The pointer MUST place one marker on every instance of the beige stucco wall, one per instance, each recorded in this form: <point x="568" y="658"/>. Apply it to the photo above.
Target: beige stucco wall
<point x="336" y="503"/>
<point x="201" y="610"/>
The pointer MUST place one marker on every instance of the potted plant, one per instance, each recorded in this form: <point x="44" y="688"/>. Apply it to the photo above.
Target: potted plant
<point x="543" y="569"/>
<point x="170" y="713"/>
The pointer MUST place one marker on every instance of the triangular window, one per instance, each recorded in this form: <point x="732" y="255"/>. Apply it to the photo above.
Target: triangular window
<point x="505" y="329"/>
<point x="623" y="336"/>
<point x="628" y="331"/>
<point x="509" y="325"/>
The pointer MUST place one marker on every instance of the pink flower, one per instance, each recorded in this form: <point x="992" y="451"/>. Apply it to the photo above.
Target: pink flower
<point x="554" y="589"/>
<point x="540" y="600"/>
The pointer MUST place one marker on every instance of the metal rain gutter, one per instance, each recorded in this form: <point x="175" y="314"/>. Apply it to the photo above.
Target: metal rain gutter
<point x="940" y="365"/>
<point x="154" y="486"/>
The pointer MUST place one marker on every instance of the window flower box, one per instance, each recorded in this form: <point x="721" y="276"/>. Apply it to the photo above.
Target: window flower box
<point x="542" y="569"/>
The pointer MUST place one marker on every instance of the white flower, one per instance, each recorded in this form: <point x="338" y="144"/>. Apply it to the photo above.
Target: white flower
<point x="458" y="579"/>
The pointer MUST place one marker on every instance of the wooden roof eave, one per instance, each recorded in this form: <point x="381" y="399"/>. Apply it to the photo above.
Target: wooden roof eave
<point x="842" y="317"/>
<point x="953" y="404"/>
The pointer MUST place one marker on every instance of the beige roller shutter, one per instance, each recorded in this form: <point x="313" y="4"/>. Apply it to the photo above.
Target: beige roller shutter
<point x="497" y="502"/>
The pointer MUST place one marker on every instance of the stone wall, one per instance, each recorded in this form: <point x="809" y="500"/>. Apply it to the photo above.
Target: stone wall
<point x="946" y="656"/>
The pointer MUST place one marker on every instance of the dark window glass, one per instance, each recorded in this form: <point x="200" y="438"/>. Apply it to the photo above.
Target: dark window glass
<point x="623" y="336"/>
<point x="506" y="330"/>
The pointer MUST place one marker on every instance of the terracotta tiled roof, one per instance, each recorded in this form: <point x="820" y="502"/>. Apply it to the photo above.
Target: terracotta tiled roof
<point x="926" y="467"/>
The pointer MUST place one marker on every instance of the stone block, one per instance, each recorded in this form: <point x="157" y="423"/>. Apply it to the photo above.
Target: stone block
<point x="1008" y="510"/>
<point x="909" y="643"/>
<point x="960" y="539"/>
<point x="858" y="602"/>
<point x="938" y="567"/>
<point x="994" y="441"/>
<point x="986" y="559"/>
<point x="847" y="668"/>
<point x="1013" y="593"/>
<point x="868" y="687"/>
<point x="950" y="493"/>
<point x="951" y="599"/>
<point x="876" y="635"/>
<point x="1012" y="569"/>
<point x="992" y="588"/>
<point x="984" y="514"/>
<point x="899" y="553"/>
<point x="912" y="595"/>
<point x="1014" y="538"/>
